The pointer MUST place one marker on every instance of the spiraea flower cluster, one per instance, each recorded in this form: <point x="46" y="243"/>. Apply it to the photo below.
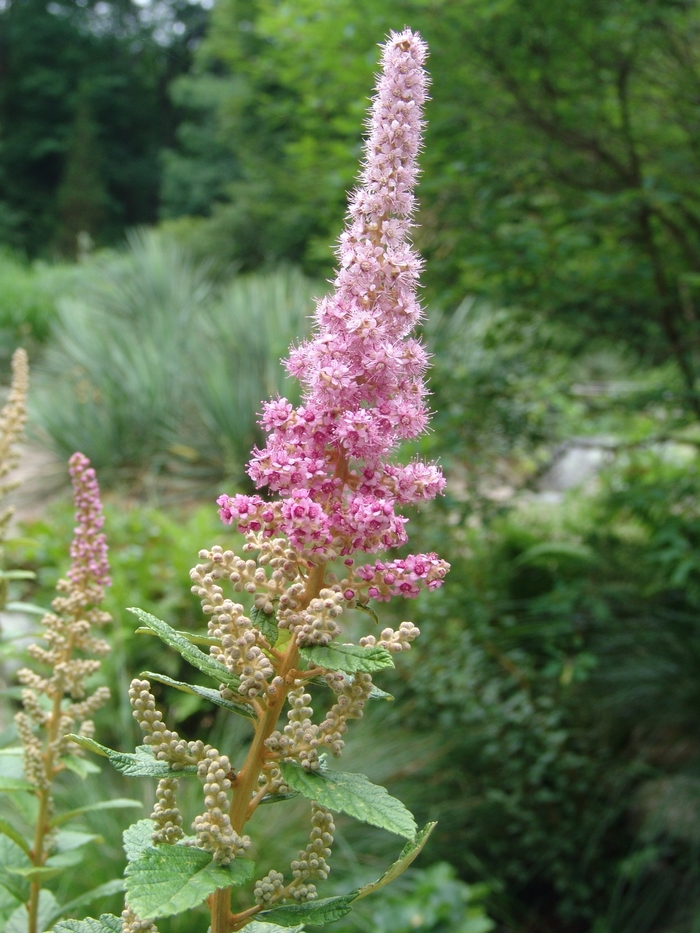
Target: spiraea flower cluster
<point x="72" y="651"/>
<point x="362" y="373"/>
<point x="329" y="492"/>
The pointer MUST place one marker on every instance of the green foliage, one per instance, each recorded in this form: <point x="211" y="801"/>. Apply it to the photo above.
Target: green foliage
<point x="348" y="658"/>
<point x="560" y="174"/>
<point x="353" y="794"/>
<point x="171" y="879"/>
<point x="432" y="899"/>
<point x="107" y="923"/>
<point x="565" y="702"/>
<point x="140" y="763"/>
<point x="113" y="62"/>
<point x="326" y="910"/>
<point x="191" y="653"/>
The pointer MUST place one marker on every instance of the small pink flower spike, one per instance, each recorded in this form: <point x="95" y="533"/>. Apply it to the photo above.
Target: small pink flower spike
<point x="89" y="566"/>
<point x="362" y="373"/>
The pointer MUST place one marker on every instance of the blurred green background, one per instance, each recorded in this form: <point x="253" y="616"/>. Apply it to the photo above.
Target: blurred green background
<point x="173" y="176"/>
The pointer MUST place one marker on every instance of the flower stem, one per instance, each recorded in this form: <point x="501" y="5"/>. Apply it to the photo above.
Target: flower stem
<point x="247" y="778"/>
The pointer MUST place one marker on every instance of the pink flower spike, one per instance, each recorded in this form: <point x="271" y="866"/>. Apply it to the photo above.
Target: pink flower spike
<point x="89" y="565"/>
<point x="362" y="372"/>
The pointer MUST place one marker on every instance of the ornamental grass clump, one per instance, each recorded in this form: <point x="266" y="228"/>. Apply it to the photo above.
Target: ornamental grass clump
<point x="334" y="496"/>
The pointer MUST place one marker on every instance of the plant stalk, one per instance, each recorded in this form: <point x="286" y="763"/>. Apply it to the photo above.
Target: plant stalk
<point x="247" y="778"/>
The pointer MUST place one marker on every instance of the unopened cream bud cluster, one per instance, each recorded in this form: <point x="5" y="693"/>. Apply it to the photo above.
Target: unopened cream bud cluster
<point x="213" y="829"/>
<point x="311" y="864"/>
<point x="394" y="641"/>
<point x="132" y="924"/>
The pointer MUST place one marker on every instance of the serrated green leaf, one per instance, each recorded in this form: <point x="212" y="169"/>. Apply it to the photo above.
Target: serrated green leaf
<point x="266" y="622"/>
<point x="348" y="658"/>
<point x="326" y="910"/>
<point x="16" y="836"/>
<point x="141" y="763"/>
<point x="9" y="785"/>
<point x="107" y="923"/>
<point x="259" y="926"/>
<point x="353" y="794"/>
<point x="19" y="920"/>
<point x="205" y="692"/>
<point x="410" y="852"/>
<point x="116" y="886"/>
<point x="187" y="650"/>
<point x="167" y="879"/>
<point x="83" y="767"/>
<point x="117" y="803"/>
<point x="137" y="838"/>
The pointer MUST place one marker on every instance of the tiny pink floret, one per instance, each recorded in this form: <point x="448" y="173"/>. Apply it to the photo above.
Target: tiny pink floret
<point x="362" y="373"/>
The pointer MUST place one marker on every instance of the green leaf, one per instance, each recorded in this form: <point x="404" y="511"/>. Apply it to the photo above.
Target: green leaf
<point x="70" y="839"/>
<point x="276" y="798"/>
<point x="170" y="879"/>
<point x="83" y="767"/>
<point x="138" y="764"/>
<point x="9" y="785"/>
<point x="13" y="856"/>
<point x="31" y="608"/>
<point x="316" y="912"/>
<point x="266" y="622"/>
<point x="257" y="926"/>
<point x="206" y="692"/>
<point x="353" y="794"/>
<point x="378" y="694"/>
<point x="16" y="836"/>
<point x="333" y="908"/>
<point x="39" y="873"/>
<point x="107" y="923"/>
<point x="137" y="838"/>
<point x="410" y="852"/>
<point x="48" y="908"/>
<point x="190" y="636"/>
<point x="118" y="803"/>
<point x="187" y="650"/>
<point x="347" y="658"/>
<point x="370" y="612"/>
<point x="116" y="886"/>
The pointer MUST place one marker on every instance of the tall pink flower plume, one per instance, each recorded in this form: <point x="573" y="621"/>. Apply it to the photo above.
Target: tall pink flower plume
<point x="362" y="373"/>
<point x="89" y="566"/>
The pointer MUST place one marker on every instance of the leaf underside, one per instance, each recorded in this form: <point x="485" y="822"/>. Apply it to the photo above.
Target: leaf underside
<point x="138" y="764"/>
<point x="205" y="692"/>
<point x="191" y="653"/>
<point x="324" y="911"/>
